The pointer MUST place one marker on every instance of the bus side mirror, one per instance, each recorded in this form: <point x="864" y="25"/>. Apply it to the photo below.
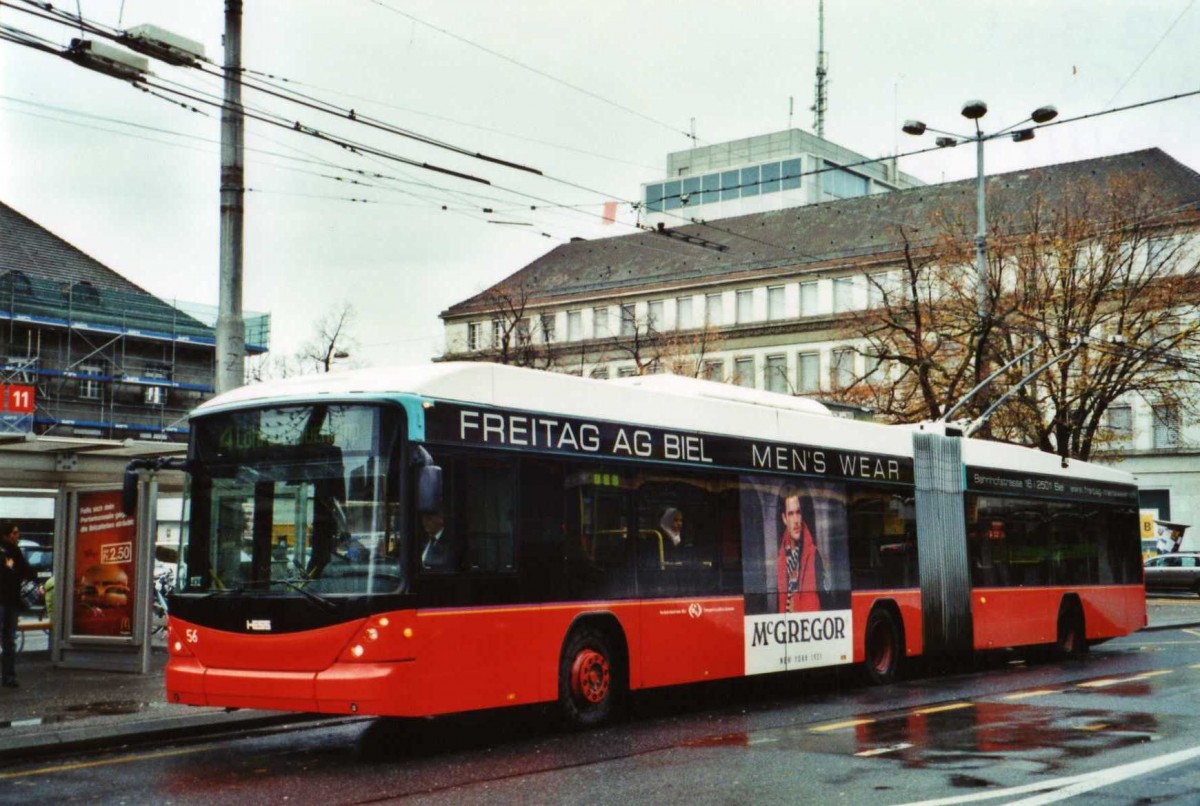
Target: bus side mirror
<point x="429" y="489"/>
<point x="129" y="492"/>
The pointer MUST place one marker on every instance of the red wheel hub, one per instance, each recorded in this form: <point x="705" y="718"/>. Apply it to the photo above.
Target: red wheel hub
<point x="590" y="676"/>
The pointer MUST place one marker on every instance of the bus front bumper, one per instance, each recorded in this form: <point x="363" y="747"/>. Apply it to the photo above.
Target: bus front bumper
<point x="342" y="688"/>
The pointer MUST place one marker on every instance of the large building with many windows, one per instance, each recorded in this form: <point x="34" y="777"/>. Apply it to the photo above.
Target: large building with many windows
<point x="90" y="353"/>
<point x="762" y="300"/>
<point x="765" y="172"/>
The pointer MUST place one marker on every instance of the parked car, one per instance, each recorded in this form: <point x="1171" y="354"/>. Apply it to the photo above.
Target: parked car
<point x="41" y="558"/>
<point x="1173" y="572"/>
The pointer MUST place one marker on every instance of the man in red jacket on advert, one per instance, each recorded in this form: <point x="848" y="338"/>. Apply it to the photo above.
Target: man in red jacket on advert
<point x="800" y="572"/>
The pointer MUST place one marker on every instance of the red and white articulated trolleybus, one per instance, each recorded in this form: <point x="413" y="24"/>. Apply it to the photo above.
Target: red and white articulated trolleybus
<point x="467" y="536"/>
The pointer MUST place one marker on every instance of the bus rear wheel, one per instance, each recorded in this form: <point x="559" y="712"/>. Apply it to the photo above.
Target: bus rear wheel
<point x="882" y="647"/>
<point x="589" y="681"/>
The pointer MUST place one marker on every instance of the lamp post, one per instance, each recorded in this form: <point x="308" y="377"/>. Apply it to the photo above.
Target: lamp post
<point x="973" y="111"/>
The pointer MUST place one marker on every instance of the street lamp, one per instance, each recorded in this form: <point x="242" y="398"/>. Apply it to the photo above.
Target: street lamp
<point x="973" y="111"/>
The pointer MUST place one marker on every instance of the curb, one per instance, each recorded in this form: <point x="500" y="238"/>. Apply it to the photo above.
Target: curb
<point x="132" y="733"/>
<point x="1161" y="627"/>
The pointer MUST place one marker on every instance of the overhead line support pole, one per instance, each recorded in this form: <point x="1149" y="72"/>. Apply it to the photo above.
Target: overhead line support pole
<point x="231" y="329"/>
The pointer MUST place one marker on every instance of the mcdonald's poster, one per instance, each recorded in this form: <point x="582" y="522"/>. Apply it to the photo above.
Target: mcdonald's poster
<point x="105" y="544"/>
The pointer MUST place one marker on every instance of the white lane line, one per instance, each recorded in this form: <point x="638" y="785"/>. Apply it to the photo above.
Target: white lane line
<point x="1071" y="786"/>
<point x="879" y="751"/>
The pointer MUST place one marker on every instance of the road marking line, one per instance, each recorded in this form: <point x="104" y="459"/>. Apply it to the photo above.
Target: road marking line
<point x="1107" y="681"/>
<point x="954" y="706"/>
<point x="1071" y="786"/>
<point x="1192" y="632"/>
<point x="853" y="723"/>
<point x="879" y="751"/>
<point x="83" y="765"/>
<point x="1041" y="692"/>
<point x="1158" y="673"/>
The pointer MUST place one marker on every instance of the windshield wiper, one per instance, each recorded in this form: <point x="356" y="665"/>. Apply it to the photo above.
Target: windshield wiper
<point x="312" y="596"/>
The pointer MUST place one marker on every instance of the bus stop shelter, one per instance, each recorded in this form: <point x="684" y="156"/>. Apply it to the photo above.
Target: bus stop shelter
<point x="103" y="558"/>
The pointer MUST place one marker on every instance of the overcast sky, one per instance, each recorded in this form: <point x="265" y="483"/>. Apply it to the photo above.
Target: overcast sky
<point x="593" y="95"/>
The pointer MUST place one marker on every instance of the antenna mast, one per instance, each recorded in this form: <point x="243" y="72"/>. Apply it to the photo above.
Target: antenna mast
<point x="821" y="95"/>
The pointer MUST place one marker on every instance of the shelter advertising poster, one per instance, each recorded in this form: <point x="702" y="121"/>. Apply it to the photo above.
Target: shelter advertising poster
<point x="104" y="565"/>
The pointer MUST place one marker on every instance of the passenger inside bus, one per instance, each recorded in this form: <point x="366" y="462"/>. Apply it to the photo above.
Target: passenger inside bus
<point x="672" y="524"/>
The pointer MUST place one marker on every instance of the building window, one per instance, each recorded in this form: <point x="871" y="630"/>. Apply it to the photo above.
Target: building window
<point x="654" y="314"/>
<point x="524" y="333"/>
<point x="574" y="325"/>
<point x="712" y="310"/>
<point x="1120" y="423"/>
<point x="626" y="372"/>
<point x="1158" y="250"/>
<point x="745" y="306"/>
<point x="684" y="310"/>
<point x="1166" y="426"/>
<point x="599" y="373"/>
<point x="729" y="185"/>
<point x="876" y="285"/>
<point x="628" y="320"/>
<point x="843" y="369"/>
<point x="600" y="322"/>
<point x="808" y="299"/>
<point x="843" y="294"/>
<point x="497" y="333"/>
<point x="743" y="372"/>
<point x="89" y="388"/>
<point x="473" y="333"/>
<point x="547" y="327"/>
<point x="156" y="395"/>
<point x="775" y="304"/>
<point x="713" y="370"/>
<point x="775" y="374"/>
<point x="808" y="372"/>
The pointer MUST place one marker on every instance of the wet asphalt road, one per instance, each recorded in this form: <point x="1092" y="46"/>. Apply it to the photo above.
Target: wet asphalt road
<point x="1118" y="727"/>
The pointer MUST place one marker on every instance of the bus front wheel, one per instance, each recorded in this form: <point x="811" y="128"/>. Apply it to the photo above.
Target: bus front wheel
<point x="589" y="680"/>
<point x="882" y="647"/>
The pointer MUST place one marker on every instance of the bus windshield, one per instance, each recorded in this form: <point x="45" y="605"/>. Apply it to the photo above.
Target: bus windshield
<point x="295" y="498"/>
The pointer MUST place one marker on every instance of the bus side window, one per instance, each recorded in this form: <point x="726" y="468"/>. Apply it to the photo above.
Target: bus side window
<point x="485" y="510"/>
<point x="598" y="551"/>
<point x="678" y="530"/>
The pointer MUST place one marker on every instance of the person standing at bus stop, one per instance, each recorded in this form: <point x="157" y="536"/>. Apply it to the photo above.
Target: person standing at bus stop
<point x="14" y="569"/>
<point x="800" y="571"/>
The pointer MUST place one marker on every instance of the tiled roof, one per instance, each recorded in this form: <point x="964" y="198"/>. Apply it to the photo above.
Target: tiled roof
<point x="817" y="235"/>
<point x="58" y="277"/>
<point x="33" y="249"/>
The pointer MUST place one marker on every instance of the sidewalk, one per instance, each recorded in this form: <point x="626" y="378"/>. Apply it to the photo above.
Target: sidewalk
<point x="57" y="709"/>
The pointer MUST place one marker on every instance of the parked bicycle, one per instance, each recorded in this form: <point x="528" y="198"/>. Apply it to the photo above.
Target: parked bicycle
<point x="164" y="584"/>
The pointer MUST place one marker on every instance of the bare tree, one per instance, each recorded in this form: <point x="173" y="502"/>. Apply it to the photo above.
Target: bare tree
<point x="1098" y="283"/>
<point x="513" y="340"/>
<point x="331" y="339"/>
<point x="652" y="349"/>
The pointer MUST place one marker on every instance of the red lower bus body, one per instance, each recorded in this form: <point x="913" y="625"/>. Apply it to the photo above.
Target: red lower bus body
<point x="437" y="661"/>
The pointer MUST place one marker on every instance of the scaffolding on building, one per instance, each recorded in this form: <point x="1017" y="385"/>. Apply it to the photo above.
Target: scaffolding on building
<point x="108" y="362"/>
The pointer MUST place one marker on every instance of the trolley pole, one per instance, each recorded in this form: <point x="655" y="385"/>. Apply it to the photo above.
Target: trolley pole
<point x="231" y="329"/>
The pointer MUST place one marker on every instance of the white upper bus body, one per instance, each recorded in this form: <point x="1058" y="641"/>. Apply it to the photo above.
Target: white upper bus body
<point x="660" y="401"/>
